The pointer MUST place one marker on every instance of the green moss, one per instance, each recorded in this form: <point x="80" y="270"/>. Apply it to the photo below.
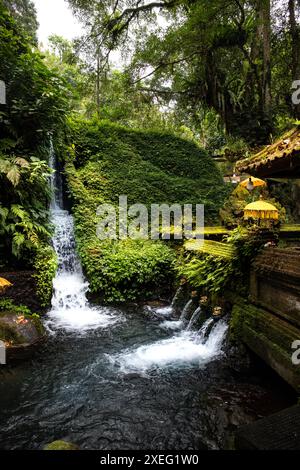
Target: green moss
<point x="236" y="324"/>
<point x="7" y="305"/>
<point x="45" y="266"/>
<point x="61" y="445"/>
<point x="149" y="167"/>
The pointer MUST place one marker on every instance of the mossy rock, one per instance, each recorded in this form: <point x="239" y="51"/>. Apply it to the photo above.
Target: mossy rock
<point x="9" y="334"/>
<point x="61" y="445"/>
<point x="21" y="333"/>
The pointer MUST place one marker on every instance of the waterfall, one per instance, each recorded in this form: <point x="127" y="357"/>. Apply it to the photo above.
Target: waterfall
<point x="206" y="328"/>
<point x="188" y="309"/>
<point x="195" y="318"/>
<point x="180" y="298"/>
<point x="70" y="307"/>
<point x="177" y="296"/>
<point x="55" y="181"/>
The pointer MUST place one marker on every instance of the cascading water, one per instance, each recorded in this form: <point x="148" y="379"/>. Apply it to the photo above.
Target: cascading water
<point x="206" y="328"/>
<point x="183" y="349"/>
<point x="188" y="310"/>
<point x="195" y="318"/>
<point x="55" y="181"/>
<point x="70" y="307"/>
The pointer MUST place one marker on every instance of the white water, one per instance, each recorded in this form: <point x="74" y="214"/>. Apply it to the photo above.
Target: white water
<point x="187" y="310"/>
<point x="165" y="311"/>
<point x="184" y="348"/>
<point x="70" y="308"/>
<point x="205" y="329"/>
<point x="172" y="325"/>
<point x="195" y="318"/>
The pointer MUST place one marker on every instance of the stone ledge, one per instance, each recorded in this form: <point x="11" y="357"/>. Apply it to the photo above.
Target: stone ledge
<point x="280" y="431"/>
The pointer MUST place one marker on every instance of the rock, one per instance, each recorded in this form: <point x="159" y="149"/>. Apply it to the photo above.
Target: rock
<point x="61" y="445"/>
<point x="21" y="334"/>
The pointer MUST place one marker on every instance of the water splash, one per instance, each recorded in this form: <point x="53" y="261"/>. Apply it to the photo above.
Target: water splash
<point x="184" y="349"/>
<point x="172" y="325"/>
<point x="206" y="328"/>
<point x="164" y="311"/>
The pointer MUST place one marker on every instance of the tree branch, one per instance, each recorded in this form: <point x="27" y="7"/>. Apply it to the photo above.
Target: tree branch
<point x="132" y="12"/>
<point x="165" y="64"/>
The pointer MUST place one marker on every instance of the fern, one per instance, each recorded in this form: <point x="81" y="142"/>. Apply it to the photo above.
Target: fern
<point x="17" y="243"/>
<point x="23" y="229"/>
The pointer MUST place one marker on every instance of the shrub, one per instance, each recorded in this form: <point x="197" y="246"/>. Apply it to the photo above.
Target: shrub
<point x="45" y="266"/>
<point x="215" y="274"/>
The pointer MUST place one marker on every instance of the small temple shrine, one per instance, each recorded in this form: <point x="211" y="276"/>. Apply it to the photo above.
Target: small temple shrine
<point x="279" y="160"/>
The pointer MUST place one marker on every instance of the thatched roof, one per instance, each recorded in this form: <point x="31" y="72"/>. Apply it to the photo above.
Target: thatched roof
<point x="279" y="160"/>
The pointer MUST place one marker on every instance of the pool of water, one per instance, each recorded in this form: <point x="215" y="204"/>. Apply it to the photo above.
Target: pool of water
<point x="130" y="381"/>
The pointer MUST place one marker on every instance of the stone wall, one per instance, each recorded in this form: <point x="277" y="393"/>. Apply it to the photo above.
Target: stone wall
<point x="269" y="321"/>
<point x="275" y="283"/>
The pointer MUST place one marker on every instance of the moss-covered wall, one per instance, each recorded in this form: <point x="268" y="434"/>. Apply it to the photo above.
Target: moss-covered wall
<point x="267" y="335"/>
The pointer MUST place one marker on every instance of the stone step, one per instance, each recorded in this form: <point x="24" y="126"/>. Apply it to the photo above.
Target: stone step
<point x="280" y="431"/>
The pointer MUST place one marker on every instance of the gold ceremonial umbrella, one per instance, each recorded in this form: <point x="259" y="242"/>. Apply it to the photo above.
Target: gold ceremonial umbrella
<point x="4" y="284"/>
<point x="251" y="183"/>
<point x="261" y="210"/>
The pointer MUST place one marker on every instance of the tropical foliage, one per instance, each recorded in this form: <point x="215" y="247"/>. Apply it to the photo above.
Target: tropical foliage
<point x="216" y="274"/>
<point x="36" y="105"/>
<point x="238" y="57"/>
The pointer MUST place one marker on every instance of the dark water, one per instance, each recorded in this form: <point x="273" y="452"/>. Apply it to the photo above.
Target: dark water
<point x="84" y="389"/>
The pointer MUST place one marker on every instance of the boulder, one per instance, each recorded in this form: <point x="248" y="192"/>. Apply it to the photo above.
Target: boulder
<point x="21" y="334"/>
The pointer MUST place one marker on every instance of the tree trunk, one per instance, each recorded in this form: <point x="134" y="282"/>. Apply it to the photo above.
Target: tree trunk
<point x="295" y="36"/>
<point x="98" y="80"/>
<point x="265" y="20"/>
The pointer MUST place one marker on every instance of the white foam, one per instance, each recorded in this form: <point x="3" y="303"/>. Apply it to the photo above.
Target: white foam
<point x="80" y="320"/>
<point x="164" y="311"/>
<point x="184" y="348"/>
<point x="172" y="325"/>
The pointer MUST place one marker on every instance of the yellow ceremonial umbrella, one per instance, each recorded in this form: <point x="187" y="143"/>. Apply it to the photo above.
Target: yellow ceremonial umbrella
<point x="251" y="183"/>
<point x="4" y="284"/>
<point x="261" y="210"/>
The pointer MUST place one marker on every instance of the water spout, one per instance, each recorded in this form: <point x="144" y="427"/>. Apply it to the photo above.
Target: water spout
<point x="181" y="297"/>
<point x="188" y="310"/>
<point x="206" y="328"/>
<point x="195" y="318"/>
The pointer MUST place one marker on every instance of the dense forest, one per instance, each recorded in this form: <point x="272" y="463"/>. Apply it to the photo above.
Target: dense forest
<point x="216" y="74"/>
